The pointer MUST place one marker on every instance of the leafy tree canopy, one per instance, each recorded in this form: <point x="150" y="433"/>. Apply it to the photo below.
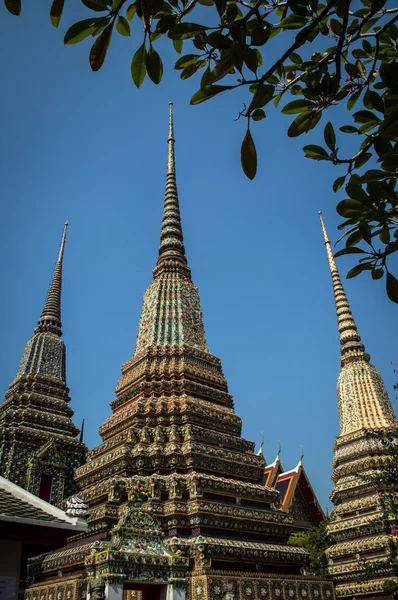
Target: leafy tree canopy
<point x="337" y="52"/>
<point x="315" y="541"/>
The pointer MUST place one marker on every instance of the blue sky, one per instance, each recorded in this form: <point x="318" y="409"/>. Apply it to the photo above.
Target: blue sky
<point x="91" y="149"/>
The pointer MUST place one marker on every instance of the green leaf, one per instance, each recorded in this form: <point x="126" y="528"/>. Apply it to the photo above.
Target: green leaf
<point x="389" y="75"/>
<point x="316" y="152"/>
<point x="80" y="30"/>
<point x="376" y="101"/>
<point x="56" y="12"/>
<point x="372" y="175"/>
<point x="186" y="60"/>
<point x="304" y="123"/>
<point x="350" y="209"/>
<point x="220" y="6"/>
<point x="183" y="31"/>
<point x="190" y="70"/>
<point x="336" y="26"/>
<point x="367" y="46"/>
<point x="382" y="146"/>
<point x="389" y="127"/>
<point x="297" y="106"/>
<point x="250" y="59"/>
<point x="384" y="236"/>
<point x="209" y="92"/>
<point x="165" y="23"/>
<point x="377" y="273"/>
<point x="293" y="22"/>
<point x="353" y="99"/>
<point x="100" y="48"/>
<point x="349" y="129"/>
<point x="178" y="44"/>
<point x="263" y="96"/>
<point x="354" y="190"/>
<point x="260" y="34"/>
<point x="392" y="287"/>
<point x="329" y="136"/>
<point x="207" y="78"/>
<point x="138" y="65"/>
<point x="219" y="41"/>
<point x="338" y="183"/>
<point x="248" y="156"/>
<point x="222" y="68"/>
<point x="361" y="160"/>
<point x="97" y="5"/>
<point x="258" y="114"/>
<point x="365" y="232"/>
<point x="123" y="26"/>
<point x="296" y="58"/>
<point x="350" y="250"/>
<point x="131" y="11"/>
<point x="13" y="6"/>
<point x="365" y="116"/>
<point x="154" y="65"/>
<point x="356" y="271"/>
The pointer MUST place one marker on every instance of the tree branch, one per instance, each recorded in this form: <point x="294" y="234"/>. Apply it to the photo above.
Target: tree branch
<point x="344" y="161"/>
<point x="341" y="43"/>
<point x="299" y="40"/>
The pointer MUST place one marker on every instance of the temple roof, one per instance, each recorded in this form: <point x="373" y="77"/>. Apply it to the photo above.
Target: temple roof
<point x="290" y="483"/>
<point x="21" y="507"/>
<point x="272" y="471"/>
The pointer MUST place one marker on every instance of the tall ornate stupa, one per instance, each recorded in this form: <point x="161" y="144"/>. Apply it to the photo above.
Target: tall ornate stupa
<point x="177" y="500"/>
<point x="39" y="449"/>
<point x="360" y="537"/>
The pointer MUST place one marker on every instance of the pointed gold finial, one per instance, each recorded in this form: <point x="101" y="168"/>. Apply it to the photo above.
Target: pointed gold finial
<point x="260" y="452"/>
<point x="279" y="449"/>
<point x="302" y="456"/>
<point x="350" y="341"/>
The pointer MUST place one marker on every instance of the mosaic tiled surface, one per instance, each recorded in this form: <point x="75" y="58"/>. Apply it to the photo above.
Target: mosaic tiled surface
<point x="357" y="529"/>
<point x="173" y="446"/>
<point x="37" y="435"/>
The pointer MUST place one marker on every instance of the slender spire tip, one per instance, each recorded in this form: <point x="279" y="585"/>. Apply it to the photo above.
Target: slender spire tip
<point x="350" y="341"/>
<point x="62" y="247"/>
<point x="50" y="319"/>
<point x="171" y="167"/>
<point x="171" y="236"/>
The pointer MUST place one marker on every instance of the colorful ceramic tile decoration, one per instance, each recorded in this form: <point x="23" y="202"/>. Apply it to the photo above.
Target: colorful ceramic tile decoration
<point x="175" y="494"/>
<point x="357" y="530"/>
<point x="39" y="449"/>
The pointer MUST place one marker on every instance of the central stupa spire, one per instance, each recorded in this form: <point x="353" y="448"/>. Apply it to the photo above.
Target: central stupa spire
<point x="171" y="313"/>
<point x="171" y="237"/>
